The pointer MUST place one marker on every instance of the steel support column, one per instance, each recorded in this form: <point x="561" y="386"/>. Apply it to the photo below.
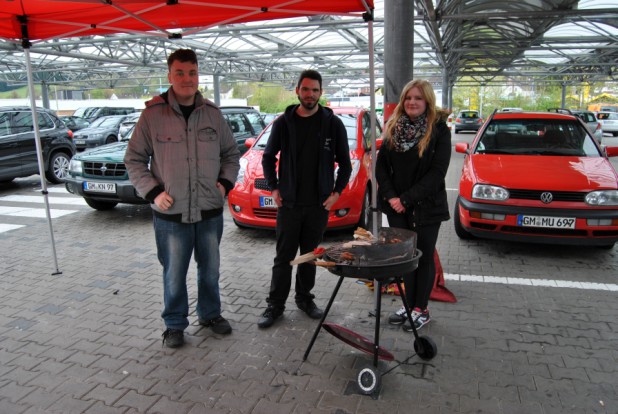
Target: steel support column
<point x="399" y="55"/>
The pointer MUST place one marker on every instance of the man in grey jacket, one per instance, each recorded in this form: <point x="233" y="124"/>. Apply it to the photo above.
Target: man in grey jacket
<point x="183" y="158"/>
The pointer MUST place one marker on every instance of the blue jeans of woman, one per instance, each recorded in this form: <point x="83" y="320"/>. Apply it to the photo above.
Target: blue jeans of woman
<point x="298" y="227"/>
<point x="176" y="243"/>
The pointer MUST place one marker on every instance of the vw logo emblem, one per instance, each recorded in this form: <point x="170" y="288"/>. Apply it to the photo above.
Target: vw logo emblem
<point x="547" y="197"/>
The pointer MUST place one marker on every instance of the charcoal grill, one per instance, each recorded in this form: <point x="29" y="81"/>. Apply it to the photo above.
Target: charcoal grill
<point x="384" y="259"/>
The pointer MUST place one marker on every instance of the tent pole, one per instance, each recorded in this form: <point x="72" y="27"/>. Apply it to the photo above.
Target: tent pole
<point x="372" y="101"/>
<point x="39" y="155"/>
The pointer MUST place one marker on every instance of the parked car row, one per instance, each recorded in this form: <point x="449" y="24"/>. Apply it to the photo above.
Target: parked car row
<point x="100" y="176"/>
<point x="537" y="177"/>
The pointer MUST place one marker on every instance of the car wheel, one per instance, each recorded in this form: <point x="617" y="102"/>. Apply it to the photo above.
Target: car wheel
<point x="456" y="131"/>
<point x="58" y="168"/>
<point x="459" y="229"/>
<point x="614" y="134"/>
<point x="100" y="205"/>
<point x="365" y="218"/>
<point x="111" y="139"/>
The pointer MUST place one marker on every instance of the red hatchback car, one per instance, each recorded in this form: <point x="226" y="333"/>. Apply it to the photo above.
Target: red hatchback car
<point x="251" y="202"/>
<point x="537" y="177"/>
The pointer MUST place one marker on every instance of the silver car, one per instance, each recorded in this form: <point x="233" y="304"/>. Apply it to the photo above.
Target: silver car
<point x="609" y="121"/>
<point x="467" y="120"/>
<point x="101" y="131"/>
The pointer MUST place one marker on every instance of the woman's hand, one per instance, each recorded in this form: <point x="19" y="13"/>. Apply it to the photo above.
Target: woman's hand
<point x="397" y="205"/>
<point x="277" y="198"/>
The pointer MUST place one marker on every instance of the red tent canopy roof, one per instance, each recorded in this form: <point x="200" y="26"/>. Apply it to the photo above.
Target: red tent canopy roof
<point x="47" y="19"/>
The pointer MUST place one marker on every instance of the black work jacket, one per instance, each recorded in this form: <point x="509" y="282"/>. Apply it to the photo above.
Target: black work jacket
<point x="282" y="144"/>
<point x="425" y="200"/>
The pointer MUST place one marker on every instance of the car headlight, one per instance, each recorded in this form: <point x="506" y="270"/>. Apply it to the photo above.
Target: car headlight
<point x="602" y="198"/>
<point x="490" y="192"/>
<point x="241" y="172"/>
<point x="75" y="167"/>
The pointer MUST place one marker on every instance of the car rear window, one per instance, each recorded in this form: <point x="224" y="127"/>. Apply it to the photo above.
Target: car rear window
<point x="468" y="114"/>
<point x="536" y="137"/>
<point x="587" y="116"/>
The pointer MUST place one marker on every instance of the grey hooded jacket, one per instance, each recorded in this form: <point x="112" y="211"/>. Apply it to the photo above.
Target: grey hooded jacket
<point x="184" y="158"/>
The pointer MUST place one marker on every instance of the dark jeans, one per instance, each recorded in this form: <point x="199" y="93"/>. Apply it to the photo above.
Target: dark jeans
<point x="296" y="227"/>
<point x="418" y="284"/>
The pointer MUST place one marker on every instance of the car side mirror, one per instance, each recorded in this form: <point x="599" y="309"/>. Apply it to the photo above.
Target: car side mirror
<point x="611" y="151"/>
<point x="249" y="142"/>
<point x="462" y="147"/>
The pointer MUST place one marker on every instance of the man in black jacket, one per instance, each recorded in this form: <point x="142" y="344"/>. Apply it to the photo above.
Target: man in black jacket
<point x="309" y="140"/>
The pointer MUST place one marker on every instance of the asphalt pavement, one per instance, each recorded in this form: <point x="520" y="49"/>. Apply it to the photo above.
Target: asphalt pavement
<point x="534" y="329"/>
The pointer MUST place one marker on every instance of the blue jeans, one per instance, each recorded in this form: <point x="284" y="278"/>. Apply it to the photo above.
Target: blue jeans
<point x="176" y="242"/>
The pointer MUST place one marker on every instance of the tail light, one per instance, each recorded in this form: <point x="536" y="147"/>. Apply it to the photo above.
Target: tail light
<point x="479" y="121"/>
<point x="458" y="120"/>
<point x="70" y="134"/>
<point x="598" y="126"/>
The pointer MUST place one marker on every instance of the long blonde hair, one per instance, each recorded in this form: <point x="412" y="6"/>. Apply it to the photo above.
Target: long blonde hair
<point x="431" y="112"/>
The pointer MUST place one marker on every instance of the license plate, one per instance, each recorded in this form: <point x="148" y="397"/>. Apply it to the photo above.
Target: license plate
<point x="80" y="142"/>
<point x="549" y="222"/>
<point x="100" y="187"/>
<point x="267" y="202"/>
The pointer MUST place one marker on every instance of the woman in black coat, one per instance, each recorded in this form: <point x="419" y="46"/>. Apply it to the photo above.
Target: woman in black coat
<point x="410" y="171"/>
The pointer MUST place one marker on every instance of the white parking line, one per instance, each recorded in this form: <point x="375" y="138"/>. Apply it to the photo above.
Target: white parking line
<point x="9" y="227"/>
<point x="39" y="199"/>
<point x="33" y="212"/>
<point x="532" y="282"/>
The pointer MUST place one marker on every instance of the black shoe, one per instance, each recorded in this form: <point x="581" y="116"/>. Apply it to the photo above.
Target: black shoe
<point x="398" y="317"/>
<point x="420" y="319"/>
<point x="173" y="338"/>
<point x="311" y="309"/>
<point x="269" y="317"/>
<point x="218" y="325"/>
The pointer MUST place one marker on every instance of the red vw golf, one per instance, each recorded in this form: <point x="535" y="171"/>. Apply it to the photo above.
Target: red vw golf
<point x="251" y="202"/>
<point x="537" y="177"/>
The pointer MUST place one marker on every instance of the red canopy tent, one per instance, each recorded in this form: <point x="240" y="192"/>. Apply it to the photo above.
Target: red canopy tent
<point x="25" y="22"/>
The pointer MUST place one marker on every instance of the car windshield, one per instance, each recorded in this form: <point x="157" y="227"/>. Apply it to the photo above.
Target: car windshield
<point x="85" y="112"/>
<point x="106" y="122"/>
<point x="349" y="121"/>
<point x="536" y="137"/>
<point x="468" y="114"/>
<point x="97" y="122"/>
